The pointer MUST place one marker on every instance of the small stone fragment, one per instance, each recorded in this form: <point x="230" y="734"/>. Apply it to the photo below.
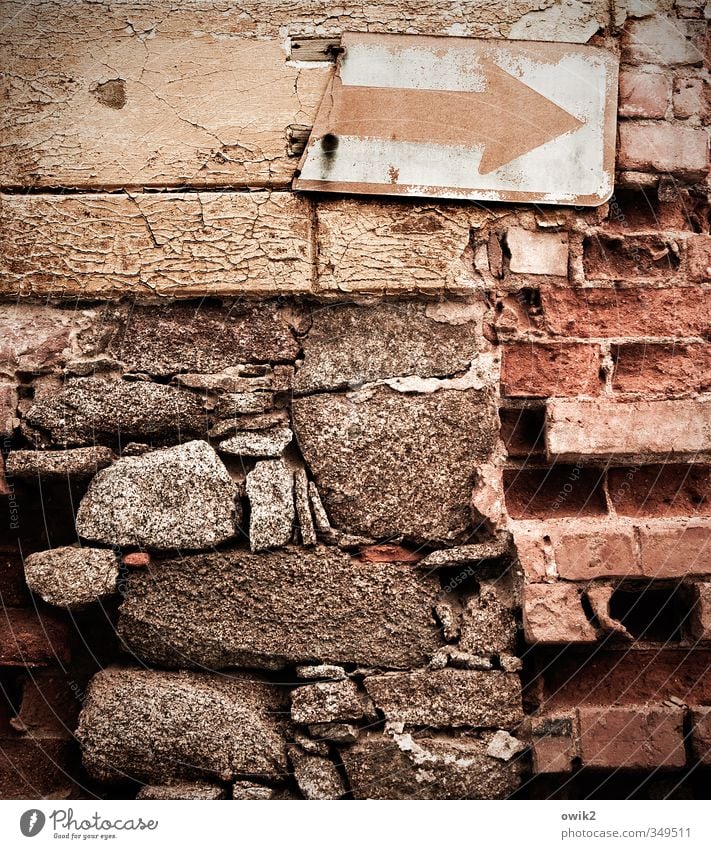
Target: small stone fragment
<point x="188" y="790"/>
<point x="303" y="508"/>
<point x="323" y="670"/>
<point x="248" y="790"/>
<point x="137" y="560"/>
<point x="47" y="465"/>
<point x="316" y="776"/>
<point x="488" y="624"/>
<point x="504" y="746"/>
<point x="268" y="443"/>
<point x="180" y="497"/>
<point x="335" y="732"/>
<point x="72" y="577"/>
<point x="329" y="701"/>
<point x="462" y="555"/>
<point x="270" y="489"/>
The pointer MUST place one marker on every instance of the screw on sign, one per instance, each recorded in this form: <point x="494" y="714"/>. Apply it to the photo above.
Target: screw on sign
<point x="466" y="118"/>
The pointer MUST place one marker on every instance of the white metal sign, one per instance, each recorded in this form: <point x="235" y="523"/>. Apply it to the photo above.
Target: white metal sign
<point x="466" y="118"/>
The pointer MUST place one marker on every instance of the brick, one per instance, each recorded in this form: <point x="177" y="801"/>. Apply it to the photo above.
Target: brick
<point x="49" y="706"/>
<point x="389" y="554"/>
<point x="618" y="257"/>
<point x="664" y="148"/>
<point x="670" y="550"/>
<point x="40" y="769"/>
<point x="631" y="737"/>
<point x="137" y="560"/>
<point x="690" y="98"/>
<point x="626" y="313"/>
<point x="661" y="490"/>
<point x="698" y="258"/>
<point x="700" y="624"/>
<point x="534" y="554"/>
<point x="541" y="370"/>
<point x="672" y="369"/>
<point x="638" y="677"/>
<point x="658" y="40"/>
<point x="31" y="639"/>
<point x="589" y="550"/>
<point x="553" y="614"/>
<point x="558" y="491"/>
<point x="523" y="430"/>
<point x="179" y="244"/>
<point x="643" y="95"/>
<point x="608" y="429"/>
<point x="13" y="589"/>
<point x="389" y="247"/>
<point x="36" y="338"/>
<point x="701" y="733"/>
<point x="553" y="743"/>
<point x="537" y="252"/>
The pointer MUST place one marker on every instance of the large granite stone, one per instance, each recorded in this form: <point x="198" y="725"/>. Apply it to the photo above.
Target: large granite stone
<point x="72" y="577"/>
<point x="270" y="490"/>
<point x="348" y="345"/>
<point x="389" y="464"/>
<point x="180" y="497"/>
<point x="156" y="726"/>
<point x="89" y="408"/>
<point x="427" y="766"/>
<point x="173" y="338"/>
<point x="271" y="609"/>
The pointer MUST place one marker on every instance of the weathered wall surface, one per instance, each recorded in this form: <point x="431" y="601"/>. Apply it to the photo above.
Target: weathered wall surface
<point x="415" y="496"/>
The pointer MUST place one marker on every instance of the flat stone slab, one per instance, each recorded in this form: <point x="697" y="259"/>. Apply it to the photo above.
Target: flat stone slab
<point x="267" y="443"/>
<point x="348" y="345"/>
<point x="155" y="726"/>
<point x="291" y="606"/>
<point x="448" y="698"/>
<point x="180" y="497"/>
<point x="72" y="577"/>
<point x="388" y="463"/>
<point x="88" y="408"/>
<point x="71" y="463"/>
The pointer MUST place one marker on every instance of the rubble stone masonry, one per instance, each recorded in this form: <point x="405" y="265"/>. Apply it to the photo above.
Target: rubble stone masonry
<point x="318" y="498"/>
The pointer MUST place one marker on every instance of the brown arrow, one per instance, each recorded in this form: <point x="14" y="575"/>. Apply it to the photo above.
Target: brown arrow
<point x="508" y="117"/>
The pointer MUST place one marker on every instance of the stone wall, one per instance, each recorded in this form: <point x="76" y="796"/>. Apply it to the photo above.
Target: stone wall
<point x="321" y="498"/>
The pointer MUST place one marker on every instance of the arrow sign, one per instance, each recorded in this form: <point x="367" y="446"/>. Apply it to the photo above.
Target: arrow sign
<point x="466" y="118"/>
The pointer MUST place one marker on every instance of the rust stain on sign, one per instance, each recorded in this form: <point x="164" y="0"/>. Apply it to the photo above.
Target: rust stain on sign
<point x="466" y="118"/>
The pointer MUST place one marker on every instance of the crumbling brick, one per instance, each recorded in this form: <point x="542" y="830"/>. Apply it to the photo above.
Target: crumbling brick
<point x="542" y="370"/>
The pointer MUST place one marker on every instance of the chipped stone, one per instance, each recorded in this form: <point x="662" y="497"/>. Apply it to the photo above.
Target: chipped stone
<point x="349" y="345"/>
<point x="329" y="608"/>
<point x="270" y="489"/>
<point x="323" y="670"/>
<point x="87" y="408"/>
<point x="448" y="697"/>
<point x="504" y="746"/>
<point x="188" y="790"/>
<point x="335" y="732"/>
<point x="249" y="790"/>
<point x="72" y="577"/>
<point x="154" y="726"/>
<point x="47" y="465"/>
<point x="329" y="701"/>
<point x="428" y="766"/>
<point x="269" y="443"/>
<point x="462" y="555"/>
<point x="388" y="465"/>
<point x="302" y="503"/>
<point x="488" y="623"/>
<point x="180" y="497"/>
<point x="316" y="776"/>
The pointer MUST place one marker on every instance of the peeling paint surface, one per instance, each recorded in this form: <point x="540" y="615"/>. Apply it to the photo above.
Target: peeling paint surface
<point x="466" y="118"/>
